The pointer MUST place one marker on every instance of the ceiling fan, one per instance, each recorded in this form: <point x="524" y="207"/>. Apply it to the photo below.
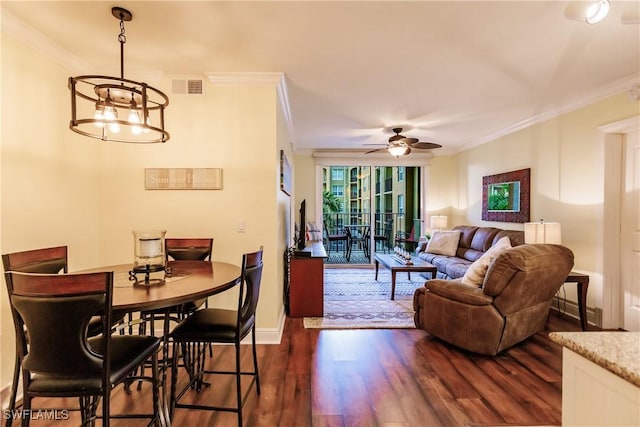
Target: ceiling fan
<point x="400" y="145"/>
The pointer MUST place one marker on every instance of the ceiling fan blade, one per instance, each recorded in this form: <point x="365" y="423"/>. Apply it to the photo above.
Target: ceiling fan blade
<point x="410" y="141"/>
<point x="376" y="150"/>
<point x="425" y="145"/>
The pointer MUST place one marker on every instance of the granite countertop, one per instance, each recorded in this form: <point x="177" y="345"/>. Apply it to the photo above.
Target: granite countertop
<point x="617" y="352"/>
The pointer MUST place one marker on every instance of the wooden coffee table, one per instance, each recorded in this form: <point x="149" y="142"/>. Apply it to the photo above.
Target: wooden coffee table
<point x="418" y="266"/>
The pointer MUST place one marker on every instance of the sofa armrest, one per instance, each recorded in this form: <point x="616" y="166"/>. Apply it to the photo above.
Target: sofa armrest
<point x="457" y="291"/>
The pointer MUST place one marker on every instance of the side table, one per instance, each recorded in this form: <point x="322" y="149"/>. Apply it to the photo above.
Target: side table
<point x="582" y="282"/>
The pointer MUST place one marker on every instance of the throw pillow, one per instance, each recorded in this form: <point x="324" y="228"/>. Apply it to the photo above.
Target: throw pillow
<point x="474" y="276"/>
<point x="444" y="242"/>
<point x="313" y="233"/>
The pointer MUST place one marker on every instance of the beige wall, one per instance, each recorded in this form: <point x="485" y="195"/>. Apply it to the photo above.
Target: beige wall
<point x="49" y="175"/>
<point x="59" y="188"/>
<point x="566" y="161"/>
<point x="305" y="186"/>
<point x="442" y="189"/>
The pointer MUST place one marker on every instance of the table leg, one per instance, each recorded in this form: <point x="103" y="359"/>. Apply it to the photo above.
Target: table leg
<point x="377" y="263"/>
<point x="393" y="285"/>
<point x="583" y="285"/>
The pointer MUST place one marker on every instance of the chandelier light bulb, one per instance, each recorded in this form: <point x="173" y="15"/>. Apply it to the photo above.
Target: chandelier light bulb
<point x="99" y="114"/>
<point x="597" y="11"/>
<point x="114" y="127"/>
<point x="110" y="113"/>
<point x="134" y="117"/>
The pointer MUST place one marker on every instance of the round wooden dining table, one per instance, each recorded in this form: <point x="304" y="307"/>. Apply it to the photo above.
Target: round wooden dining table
<point x="188" y="281"/>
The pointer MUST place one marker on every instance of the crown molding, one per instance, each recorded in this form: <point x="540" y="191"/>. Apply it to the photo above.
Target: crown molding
<point x="619" y="86"/>
<point x="30" y="36"/>
<point x="245" y="78"/>
<point x="277" y="79"/>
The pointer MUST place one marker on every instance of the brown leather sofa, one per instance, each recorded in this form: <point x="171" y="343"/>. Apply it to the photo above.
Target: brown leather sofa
<point x="512" y="304"/>
<point x="474" y="242"/>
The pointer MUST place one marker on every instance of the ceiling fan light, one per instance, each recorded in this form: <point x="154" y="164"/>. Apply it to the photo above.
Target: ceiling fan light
<point x="597" y="11"/>
<point x="397" y="150"/>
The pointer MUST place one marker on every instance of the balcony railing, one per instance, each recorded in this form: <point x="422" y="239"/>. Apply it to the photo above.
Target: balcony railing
<point x="400" y="223"/>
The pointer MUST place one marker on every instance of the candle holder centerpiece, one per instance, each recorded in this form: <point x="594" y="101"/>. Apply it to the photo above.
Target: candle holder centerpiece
<point x="149" y="258"/>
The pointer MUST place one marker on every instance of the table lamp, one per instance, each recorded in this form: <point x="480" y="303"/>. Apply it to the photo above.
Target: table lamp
<point x="438" y="222"/>
<point x="542" y="232"/>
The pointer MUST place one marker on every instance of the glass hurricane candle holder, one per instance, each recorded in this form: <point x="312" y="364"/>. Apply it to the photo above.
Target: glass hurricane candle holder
<point x="149" y="256"/>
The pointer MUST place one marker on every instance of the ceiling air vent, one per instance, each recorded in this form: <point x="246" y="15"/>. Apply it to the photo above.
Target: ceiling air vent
<point x="187" y="87"/>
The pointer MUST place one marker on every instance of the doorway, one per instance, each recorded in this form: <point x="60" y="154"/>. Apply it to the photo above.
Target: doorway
<point x="621" y="226"/>
<point x="365" y="209"/>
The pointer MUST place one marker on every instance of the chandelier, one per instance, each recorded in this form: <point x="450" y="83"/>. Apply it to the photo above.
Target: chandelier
<point x="117" y="109"/>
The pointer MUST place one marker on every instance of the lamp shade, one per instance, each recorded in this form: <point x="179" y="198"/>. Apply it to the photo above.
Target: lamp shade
<point x="542" y="232"/>
<point x="438" y="222"/>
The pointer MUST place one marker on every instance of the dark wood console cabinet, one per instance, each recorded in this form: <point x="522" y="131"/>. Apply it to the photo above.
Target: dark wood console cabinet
<point x="306" y="287"/>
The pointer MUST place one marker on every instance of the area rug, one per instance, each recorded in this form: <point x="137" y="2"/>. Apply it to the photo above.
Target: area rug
<point x="353" y="299"/>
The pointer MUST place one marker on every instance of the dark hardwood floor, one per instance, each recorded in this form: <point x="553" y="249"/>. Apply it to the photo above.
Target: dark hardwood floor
<point x="390" y="378"/>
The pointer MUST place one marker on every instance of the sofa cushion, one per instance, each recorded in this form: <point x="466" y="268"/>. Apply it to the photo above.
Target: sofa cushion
<point x="466" y="234"/>
<point x="456" y="267"/>
<point x="474" y="276"/>
<point x="483" y="238"/>
<point x="516" y="237"/>
<point x="444" y="242"/>
<point x="468" y="254"/>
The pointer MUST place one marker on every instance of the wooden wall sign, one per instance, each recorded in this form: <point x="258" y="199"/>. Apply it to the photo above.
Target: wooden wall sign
<point x="183" y="179"/>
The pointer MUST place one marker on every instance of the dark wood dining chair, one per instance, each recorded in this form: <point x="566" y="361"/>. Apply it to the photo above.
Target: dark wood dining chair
<point x="189" y="249"/>
<point x="359" y="237"/>
<point x="59" y="359"/>
<point x="181" y="249"/>
<point x="214" y="325"/>
<point x="384" y="236"/>
<point x="336" y="237"/>
<point x="46" y="260"/>
<point x="51" y="260"/>
<point x="408" y="240"/>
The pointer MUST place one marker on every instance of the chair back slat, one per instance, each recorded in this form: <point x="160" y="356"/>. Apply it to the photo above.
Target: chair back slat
<point x="189" y="249"/>
<point x="47" y="260"/>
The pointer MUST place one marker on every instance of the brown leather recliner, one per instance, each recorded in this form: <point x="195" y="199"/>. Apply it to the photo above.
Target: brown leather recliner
<point x="512" y="304"/>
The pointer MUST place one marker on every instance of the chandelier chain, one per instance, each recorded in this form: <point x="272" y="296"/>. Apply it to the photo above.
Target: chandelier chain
<point x="121" y="37"/>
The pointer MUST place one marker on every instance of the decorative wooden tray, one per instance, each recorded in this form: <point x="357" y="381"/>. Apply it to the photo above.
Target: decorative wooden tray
<point x="402" y="260"/>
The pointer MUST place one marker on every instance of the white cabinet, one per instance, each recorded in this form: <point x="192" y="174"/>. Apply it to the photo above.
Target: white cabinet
<point x="593" y="396"/>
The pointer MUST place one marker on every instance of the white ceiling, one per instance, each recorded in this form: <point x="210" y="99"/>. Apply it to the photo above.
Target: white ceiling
<point x="455" y="73"/>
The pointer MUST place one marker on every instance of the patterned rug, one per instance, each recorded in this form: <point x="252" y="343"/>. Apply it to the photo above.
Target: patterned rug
<point x="354" y="300"/>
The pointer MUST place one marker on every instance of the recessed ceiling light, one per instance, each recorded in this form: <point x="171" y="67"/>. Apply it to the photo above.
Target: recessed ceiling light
<point x="597" y="11"/>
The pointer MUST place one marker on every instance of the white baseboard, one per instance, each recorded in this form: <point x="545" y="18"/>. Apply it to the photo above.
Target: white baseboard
<point x="570" y="308"/>
<point x="271" y="335"/>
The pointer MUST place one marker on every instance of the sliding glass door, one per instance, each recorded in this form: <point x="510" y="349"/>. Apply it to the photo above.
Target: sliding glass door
<point x="369" y="209"/>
